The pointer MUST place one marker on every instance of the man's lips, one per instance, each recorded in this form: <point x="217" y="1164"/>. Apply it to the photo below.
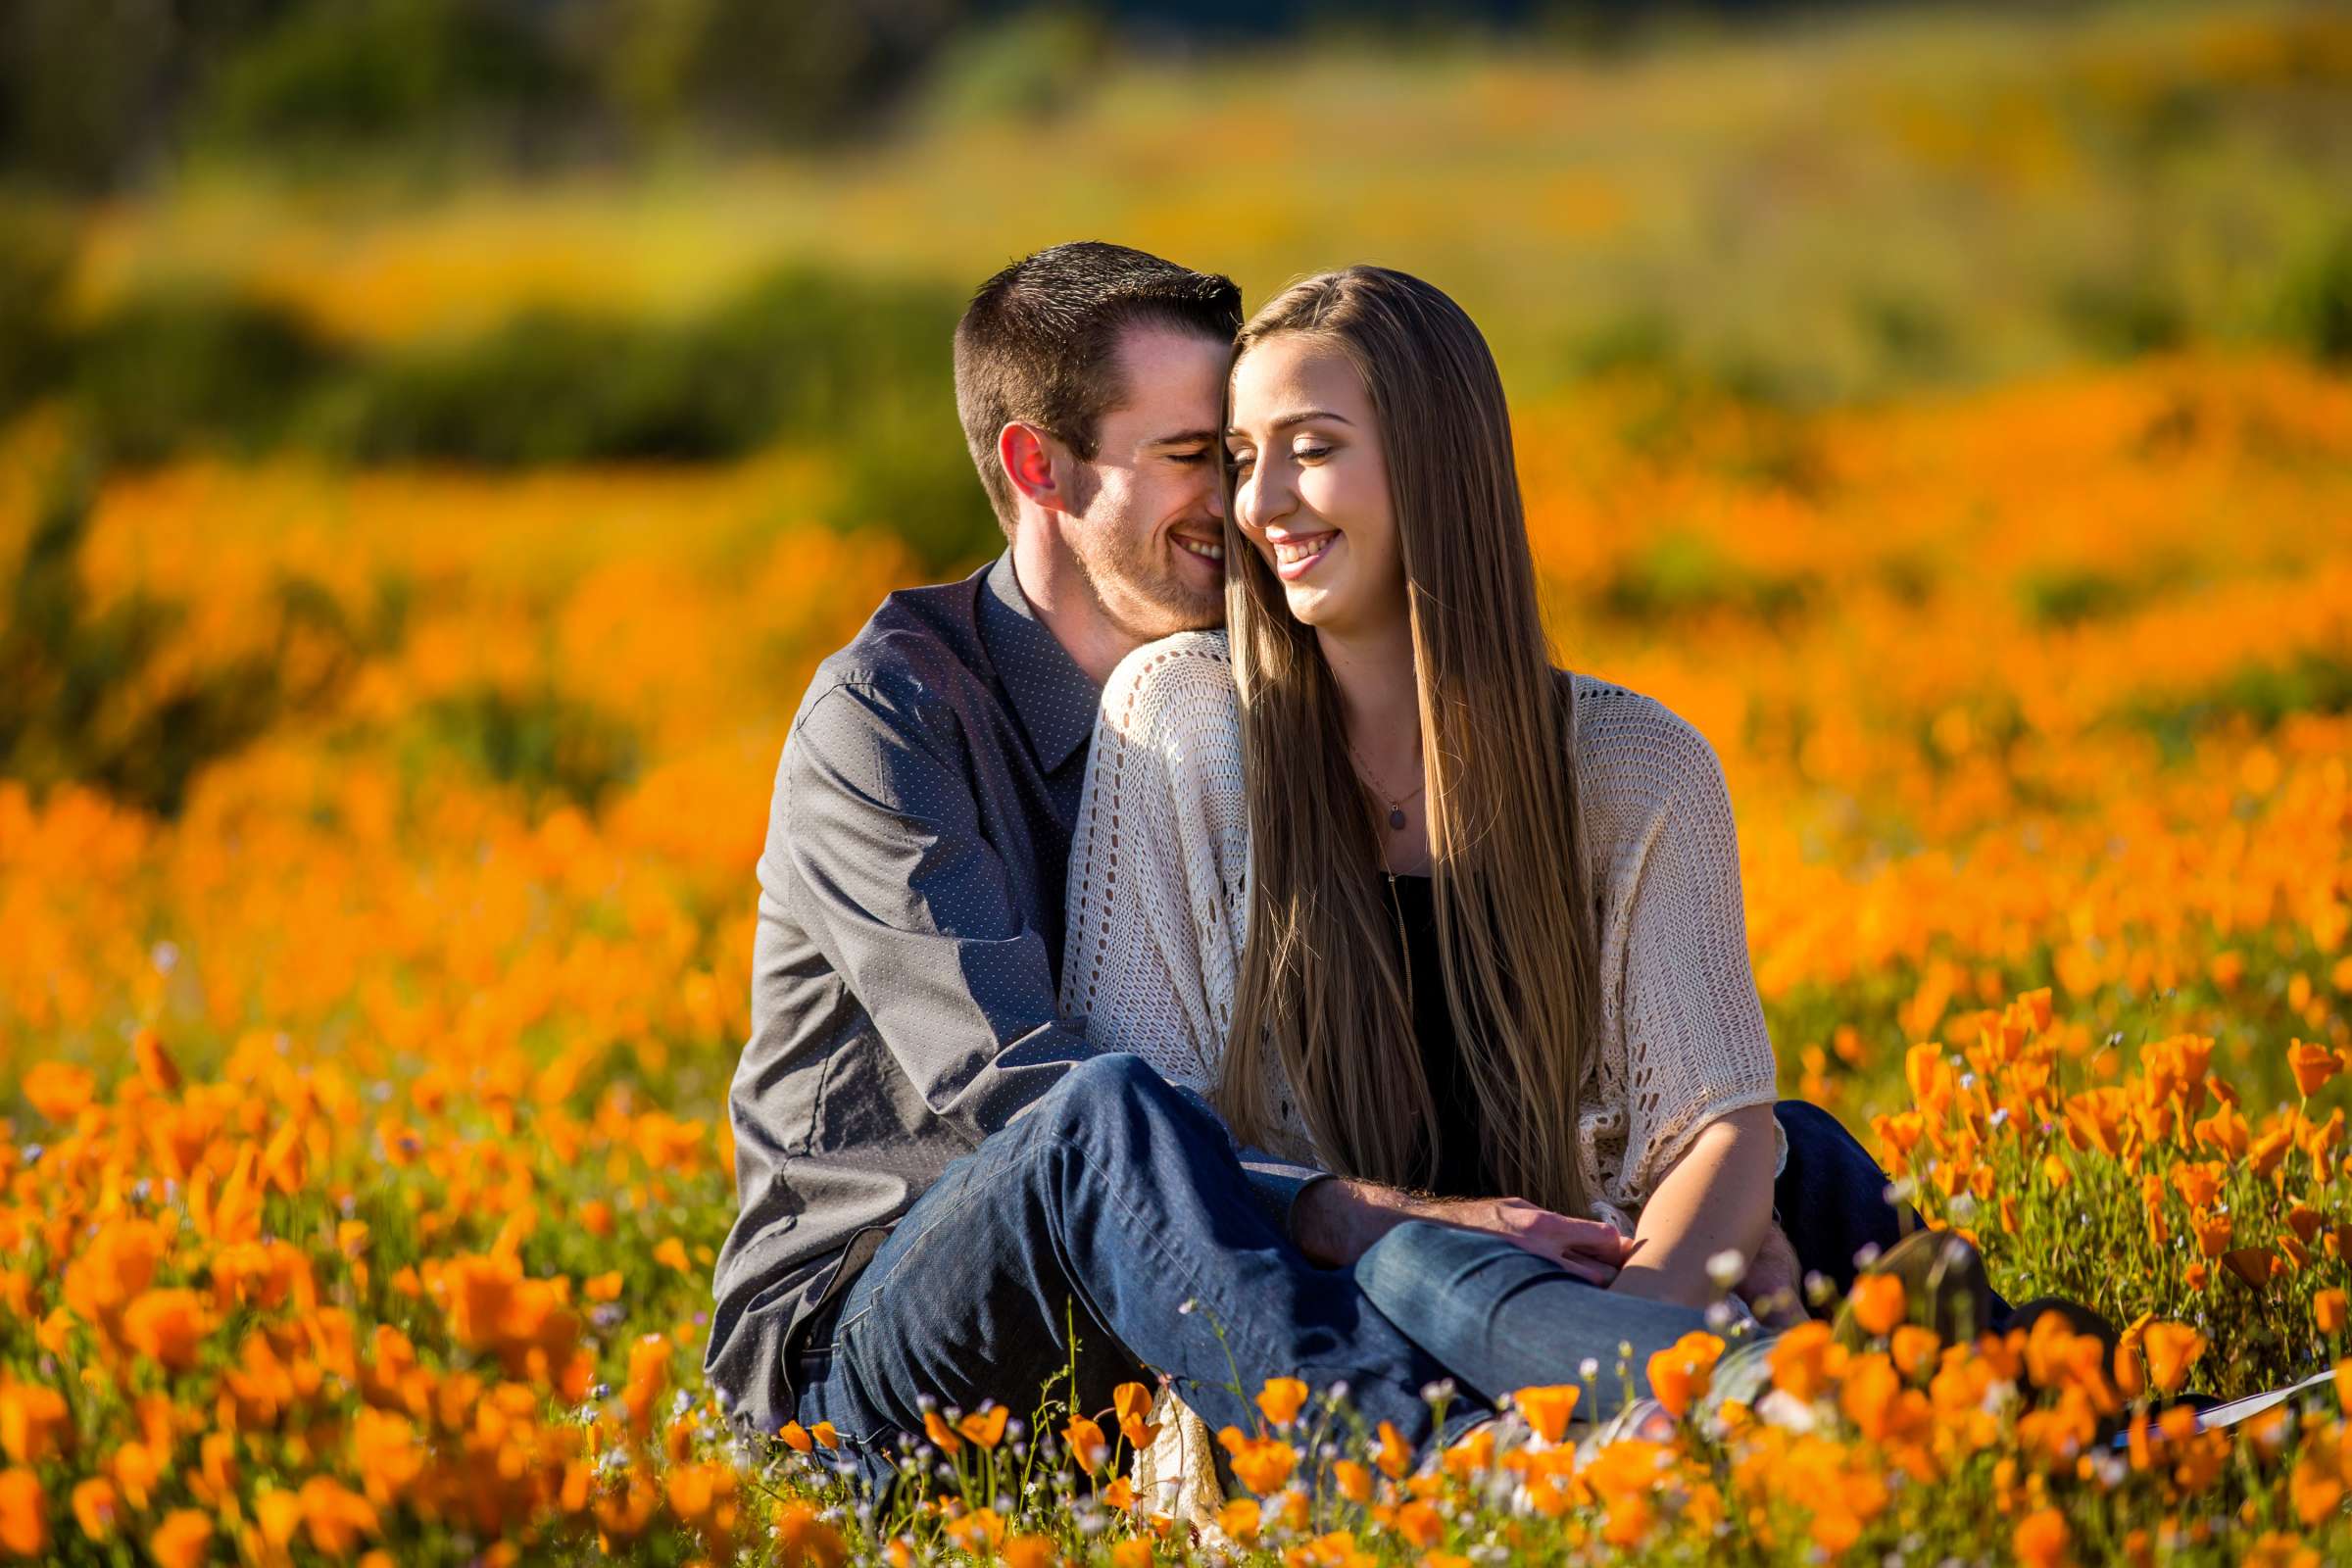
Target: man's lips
<point x="1205" y="549"/>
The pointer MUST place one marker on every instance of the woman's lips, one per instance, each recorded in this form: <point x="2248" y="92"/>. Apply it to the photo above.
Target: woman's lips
<point x="1296" y="557"/>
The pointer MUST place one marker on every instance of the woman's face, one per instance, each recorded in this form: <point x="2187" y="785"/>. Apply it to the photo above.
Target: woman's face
<point x="1310" y="488"/>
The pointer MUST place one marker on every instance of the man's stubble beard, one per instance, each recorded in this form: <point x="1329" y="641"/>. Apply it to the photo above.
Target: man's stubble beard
<point x="1134" y="593"/>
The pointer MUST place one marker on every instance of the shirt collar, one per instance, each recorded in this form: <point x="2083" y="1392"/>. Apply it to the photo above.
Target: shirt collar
<point x="1055" y="699"/>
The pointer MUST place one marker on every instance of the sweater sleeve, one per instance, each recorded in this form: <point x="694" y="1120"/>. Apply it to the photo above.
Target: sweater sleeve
<point x="1160" y="863"/>
<point x="1158" y="882"/>
<point x="1695" y="1043"/>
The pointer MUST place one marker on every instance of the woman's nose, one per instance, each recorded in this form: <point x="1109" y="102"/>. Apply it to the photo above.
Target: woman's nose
<point x="1260" y="501"/>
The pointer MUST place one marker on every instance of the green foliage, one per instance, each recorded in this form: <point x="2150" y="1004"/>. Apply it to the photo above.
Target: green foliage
<point x="2314" y="301"/>
<point x="34" y="254"/>
<point x="194" y="367"/>
<point x="79" y="697"/>
<point x="1682" y="574"/>
<point x="548" y="746"/>
<point x="2122" y="319"/>
<point x="342" y="76"/>
<point x="2259" y="695"/>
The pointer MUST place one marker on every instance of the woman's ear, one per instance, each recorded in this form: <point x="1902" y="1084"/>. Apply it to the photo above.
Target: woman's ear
<point x="1036" y="463"/>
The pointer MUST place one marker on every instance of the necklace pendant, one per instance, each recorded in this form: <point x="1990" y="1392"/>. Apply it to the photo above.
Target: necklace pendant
<point x="1396" y="819"/>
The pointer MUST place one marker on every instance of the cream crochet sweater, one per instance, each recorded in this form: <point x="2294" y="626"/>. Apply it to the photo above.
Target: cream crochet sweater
<point x="1158" y="907"/>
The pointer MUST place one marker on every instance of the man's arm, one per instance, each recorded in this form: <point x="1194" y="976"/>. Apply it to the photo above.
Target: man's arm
<point x="877" y="846"/>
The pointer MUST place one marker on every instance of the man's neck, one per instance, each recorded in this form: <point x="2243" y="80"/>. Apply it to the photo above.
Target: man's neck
<point x="1379" y="696"/>
<point x="1066" y="604"/>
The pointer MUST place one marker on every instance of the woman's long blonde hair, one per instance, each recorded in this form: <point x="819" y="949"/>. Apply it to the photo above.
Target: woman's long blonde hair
<point x="1322" y="987"/>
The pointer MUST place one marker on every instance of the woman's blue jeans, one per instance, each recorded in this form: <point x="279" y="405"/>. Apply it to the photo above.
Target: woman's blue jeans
<point x="1111" y="1229"/>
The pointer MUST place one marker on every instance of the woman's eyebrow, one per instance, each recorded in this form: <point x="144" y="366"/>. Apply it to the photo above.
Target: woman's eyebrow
<point x="1303" y="417"/>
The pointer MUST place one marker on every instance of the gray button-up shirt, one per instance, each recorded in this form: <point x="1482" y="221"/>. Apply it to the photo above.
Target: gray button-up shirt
<point x="908" y="954"/>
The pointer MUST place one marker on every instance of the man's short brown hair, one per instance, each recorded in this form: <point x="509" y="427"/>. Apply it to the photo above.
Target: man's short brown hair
<point x="1039" y="343"/>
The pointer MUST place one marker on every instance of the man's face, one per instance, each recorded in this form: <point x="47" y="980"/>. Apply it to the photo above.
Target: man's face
<point x="1150" y="536"/>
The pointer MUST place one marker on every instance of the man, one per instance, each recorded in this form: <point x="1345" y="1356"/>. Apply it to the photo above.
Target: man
<point x="941" y="1183"/>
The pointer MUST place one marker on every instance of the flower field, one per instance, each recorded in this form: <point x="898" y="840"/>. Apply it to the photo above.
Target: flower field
<point x="376" y="894"/>
<point x="371" y="1157"/>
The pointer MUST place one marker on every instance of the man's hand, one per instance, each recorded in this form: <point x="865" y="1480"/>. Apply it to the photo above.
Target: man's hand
<point x="1773" y="1288"/>
<point x="1337" y="1218"/>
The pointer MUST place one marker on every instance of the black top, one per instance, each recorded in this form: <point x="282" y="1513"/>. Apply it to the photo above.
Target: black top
<point x="1463" y="1170"/>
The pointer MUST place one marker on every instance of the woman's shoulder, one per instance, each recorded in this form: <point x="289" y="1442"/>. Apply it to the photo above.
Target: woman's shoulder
<point x="1634" y="754"/>
<point x="1183" y="682"/>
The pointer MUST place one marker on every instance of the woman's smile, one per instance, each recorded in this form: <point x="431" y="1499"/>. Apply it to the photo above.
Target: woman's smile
<point x="1297" y="555"/>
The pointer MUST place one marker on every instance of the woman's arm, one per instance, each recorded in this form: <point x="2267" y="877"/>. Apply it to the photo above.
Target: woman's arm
<point x="1702" y="1146"/>
<point x="1717" y="1197"/>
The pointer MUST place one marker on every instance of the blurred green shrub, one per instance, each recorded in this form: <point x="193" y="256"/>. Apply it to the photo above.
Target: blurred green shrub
<point x="2315" y="300"/>
<point x="194" y="367"/>
<point x="79" y="697"/>
<point x="35" y="253"/>
<point x="858" y="370"/>
<point x="548" y="746"/>
<point x="2122" y="319"/>
<point x="855" y="369"/>
<point x="326" y="80"/>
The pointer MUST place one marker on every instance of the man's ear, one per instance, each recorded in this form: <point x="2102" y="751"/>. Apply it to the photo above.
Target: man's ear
<point x="1036" y="464"/>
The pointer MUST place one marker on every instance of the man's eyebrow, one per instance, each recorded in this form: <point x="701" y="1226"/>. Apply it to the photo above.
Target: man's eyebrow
<point x="1186" y="438"/>
<point x="1302" y="416"/>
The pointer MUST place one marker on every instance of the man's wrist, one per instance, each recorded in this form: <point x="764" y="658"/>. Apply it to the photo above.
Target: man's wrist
<point x="1334" y="1218"/>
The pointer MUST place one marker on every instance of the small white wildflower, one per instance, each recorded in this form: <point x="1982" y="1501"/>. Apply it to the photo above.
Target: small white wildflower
<point x="1589" y="1368"/>
<point x="1726" y="1268"/>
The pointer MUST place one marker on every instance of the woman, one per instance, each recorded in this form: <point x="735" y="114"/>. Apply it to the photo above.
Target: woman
<point x="1396" y="893"/>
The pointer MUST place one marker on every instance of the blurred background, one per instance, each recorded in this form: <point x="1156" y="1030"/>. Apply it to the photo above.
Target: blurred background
<point x="438" y="436"/>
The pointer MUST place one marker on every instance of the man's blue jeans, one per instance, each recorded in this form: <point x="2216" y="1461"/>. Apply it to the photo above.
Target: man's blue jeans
<point x="1117" y="1210"/>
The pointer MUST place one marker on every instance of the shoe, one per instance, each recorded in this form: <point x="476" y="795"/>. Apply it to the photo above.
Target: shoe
<point x="1945" y="1289"/>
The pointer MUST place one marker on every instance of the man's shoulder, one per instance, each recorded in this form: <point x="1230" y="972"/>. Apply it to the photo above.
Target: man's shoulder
<point x="917" y="647"/>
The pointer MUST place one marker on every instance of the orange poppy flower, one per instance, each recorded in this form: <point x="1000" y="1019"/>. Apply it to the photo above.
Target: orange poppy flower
<point x="805" y="1541"/>
<point x="23" y="1513"/>
<point x="57" y="1090"/>
<point x="2042" y="1538"/>
<point x="1682" y="1371"/>
<point x="1281" y="1399"/>
<point x="97" y="1508"/>
<point x="1087" y="1443"/>
<point x="2312" y="1065"/>
<point x="2171" y="1350"/>
<point x="1878" y="1302"/>
<point x="182" y="1541"/>
<point x="168" y="1326"/>
<point x="2327" y="1311"/>
<point x="1240" y="1519"/>
<point x="985" y="1427"/>
<point x="1029" y="1551"/>
<point x="1549" y="1409"/>
<point x="1131" y="1403"/>
<point x="1801" y="1362"/>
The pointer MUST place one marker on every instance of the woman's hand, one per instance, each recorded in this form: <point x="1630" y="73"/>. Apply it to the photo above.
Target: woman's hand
<point x="1591" y="1249"/>
<point x="1337" y="1218"/>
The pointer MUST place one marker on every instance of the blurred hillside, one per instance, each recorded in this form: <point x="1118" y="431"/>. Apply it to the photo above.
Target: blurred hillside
<point x="1731" y="225"/>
